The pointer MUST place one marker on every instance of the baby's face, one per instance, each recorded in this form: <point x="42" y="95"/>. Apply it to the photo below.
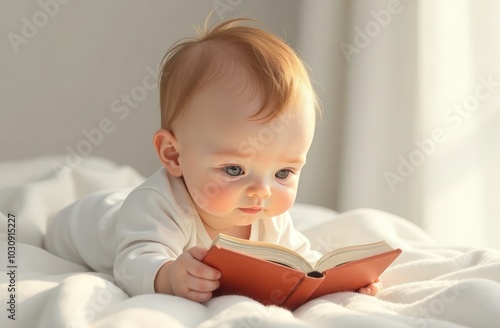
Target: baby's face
<point x="237" y="170"/>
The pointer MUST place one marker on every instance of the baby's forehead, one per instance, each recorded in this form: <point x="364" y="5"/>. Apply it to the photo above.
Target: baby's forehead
<point x="240" y="103"/>
<point x="286" y="138"/>
<point x="220" y="111"/>
<point x="218" y="117"/>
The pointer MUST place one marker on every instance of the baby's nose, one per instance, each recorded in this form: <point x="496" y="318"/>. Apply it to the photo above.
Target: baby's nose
<point x="260" y="190"/>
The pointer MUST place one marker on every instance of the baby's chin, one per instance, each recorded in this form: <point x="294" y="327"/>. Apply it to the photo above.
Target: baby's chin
<point x="251" y="218"/>
<point x="240" y="218"/>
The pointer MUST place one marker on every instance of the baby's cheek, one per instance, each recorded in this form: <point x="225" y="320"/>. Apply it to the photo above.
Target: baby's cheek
<point x="222" y="201"/>
<point x="282" y="202"/>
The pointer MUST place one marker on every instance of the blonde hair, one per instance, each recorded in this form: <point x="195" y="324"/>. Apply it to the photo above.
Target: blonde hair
<point x="196" y="63"/>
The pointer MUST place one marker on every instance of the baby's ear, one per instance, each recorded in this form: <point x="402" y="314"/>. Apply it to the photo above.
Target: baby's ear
<point x="167" y="149"/>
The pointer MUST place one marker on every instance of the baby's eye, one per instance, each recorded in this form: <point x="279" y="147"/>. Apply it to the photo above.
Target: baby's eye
<point x="233" y="170"/>
<point x="282" y="174"/>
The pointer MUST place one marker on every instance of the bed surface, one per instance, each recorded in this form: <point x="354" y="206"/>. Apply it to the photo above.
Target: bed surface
<point x="429" y="285"/>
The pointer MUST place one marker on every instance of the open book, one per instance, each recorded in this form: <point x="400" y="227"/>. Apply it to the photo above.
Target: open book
<point x="273" y="274"/>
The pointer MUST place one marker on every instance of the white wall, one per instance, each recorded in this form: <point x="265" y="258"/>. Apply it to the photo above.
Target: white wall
<point x="321" y="26"/>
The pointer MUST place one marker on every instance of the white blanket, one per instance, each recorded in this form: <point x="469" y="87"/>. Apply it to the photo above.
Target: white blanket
<point x="429" y="285"/>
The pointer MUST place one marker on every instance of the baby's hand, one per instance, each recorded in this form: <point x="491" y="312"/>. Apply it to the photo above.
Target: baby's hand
<point x="373" y="288"/>
<point x="188" y="277"/>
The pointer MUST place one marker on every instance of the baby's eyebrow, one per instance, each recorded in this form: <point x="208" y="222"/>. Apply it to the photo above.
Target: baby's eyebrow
<point x="231" y="153"/>
<point x="295" y="161"/>
<point x="236" y="154"/>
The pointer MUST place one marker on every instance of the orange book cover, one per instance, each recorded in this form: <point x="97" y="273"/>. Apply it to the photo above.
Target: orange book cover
<point x="272" y="283"/>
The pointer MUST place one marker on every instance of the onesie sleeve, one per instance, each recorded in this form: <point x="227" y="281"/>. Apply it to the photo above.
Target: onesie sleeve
<point x="150" y="232"/>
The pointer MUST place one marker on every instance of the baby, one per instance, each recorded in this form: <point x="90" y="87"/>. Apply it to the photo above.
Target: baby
<point x="238" y="113"/>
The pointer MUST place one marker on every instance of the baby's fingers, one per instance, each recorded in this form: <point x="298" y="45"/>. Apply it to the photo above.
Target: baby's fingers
<point x="198" y="252"/>
<point x="197" y="296"/>
<point x="372" y="289"/>
<point x="376" y="287"/>
<point x="199" y="269"/>
<point x="199" y="289"/>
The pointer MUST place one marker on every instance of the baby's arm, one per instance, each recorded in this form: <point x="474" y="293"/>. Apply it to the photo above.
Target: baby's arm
<point x="188" y="277"/>
<point x="154" y="235"/>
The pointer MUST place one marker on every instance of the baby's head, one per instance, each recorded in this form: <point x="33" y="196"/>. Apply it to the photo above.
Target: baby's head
<point x="230" y="53"/>
<point x="238" y="114"/>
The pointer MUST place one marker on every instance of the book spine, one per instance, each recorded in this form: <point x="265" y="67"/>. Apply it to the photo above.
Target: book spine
<point x="304" y="289"/>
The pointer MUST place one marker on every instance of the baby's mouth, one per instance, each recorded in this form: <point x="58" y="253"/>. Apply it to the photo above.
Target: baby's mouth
<point x="250" y="210"/>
